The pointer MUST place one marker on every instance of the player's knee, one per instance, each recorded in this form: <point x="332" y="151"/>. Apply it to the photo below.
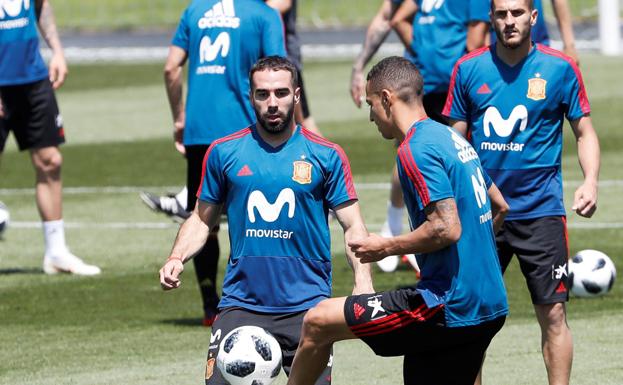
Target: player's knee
<point x="552" y="316"/>
<point x="49" y="162"/>
<point x="314" y="323"/>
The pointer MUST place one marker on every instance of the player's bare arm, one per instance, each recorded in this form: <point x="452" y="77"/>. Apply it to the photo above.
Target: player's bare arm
<point x="282" y="6"/>
<point x="349" y="216"/>
<point x="376" y="34"/>
<point x="460" y="126"/>
<point x="477" y="32"/>
<point x="402" y="22"/>
<point x="1" y="109"/>
<point x="585" y="198"/>
<point x="173" y="81"/>
<point x="190" y="239"/>
<point x="441" y="229"/>
<point x="499" y="207"/>
<point x="47" y="27"/>
<point x="565" y="26"/>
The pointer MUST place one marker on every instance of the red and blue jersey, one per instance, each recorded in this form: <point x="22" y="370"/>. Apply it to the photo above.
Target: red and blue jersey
<point x="435" y="163"/>
<point x="223" y="39"/>
<point x="515" y="119"/>
<point x="277" y="201"/>
<point x="440" y="36"/>
<point x="20" y="59"/>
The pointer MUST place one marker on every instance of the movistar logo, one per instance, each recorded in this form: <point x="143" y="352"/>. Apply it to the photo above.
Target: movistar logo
<point x="12" y="8"/>
<point x="504" y="127"/>
<point x="222" y="15"/>
<point x="428" y="5"/>
<point x="209" y="50"/>
<point x="270" y="211"/>
<point x="480" y="188"/>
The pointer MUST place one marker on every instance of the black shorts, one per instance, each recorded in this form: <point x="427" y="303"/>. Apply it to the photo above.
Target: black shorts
<point x="31" y="112"/>
<point x="433" y="105"/>
<point x="286" y="328"/>
<point x="194" y="171"/>
<point x="399" y="323"/>
<point x="303" y="101"/>
<point x="541" y="246"/>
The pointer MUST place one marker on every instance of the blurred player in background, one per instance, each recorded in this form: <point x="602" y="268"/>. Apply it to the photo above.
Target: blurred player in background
<point x="435" y="34"/>
<point x="511" y="99"/>
<point x="220" y="40"/>
<point x="276" y="181"/>
<point x="443" y="325"/>
<point x="28" y="108"/>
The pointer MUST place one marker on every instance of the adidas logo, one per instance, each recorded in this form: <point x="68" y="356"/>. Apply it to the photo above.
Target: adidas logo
<point x="484" y="89"/>
<point x="222" y="15"/>
<point x="245" y="171"/>
<point x="358" y="310"/>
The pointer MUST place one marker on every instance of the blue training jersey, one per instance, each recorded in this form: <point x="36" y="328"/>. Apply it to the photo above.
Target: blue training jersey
<point x="436" y="163"/>
<point x="539" y="32"/>
<point x="277" y="201"/>
<point x="515" y="119"/>
<point x="440" y="35"/>
<point x="20" y="59"/>
<point x="223" y="40"/>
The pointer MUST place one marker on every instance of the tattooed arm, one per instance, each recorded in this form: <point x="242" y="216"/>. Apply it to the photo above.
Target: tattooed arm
<point x="441" y="229"/>
<point x="47" y="27"/>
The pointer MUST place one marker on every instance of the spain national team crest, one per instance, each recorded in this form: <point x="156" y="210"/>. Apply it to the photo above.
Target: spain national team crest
<point x="302" y="172"/>
<point x="536" y="88"/>
<point x="210" y="368"/>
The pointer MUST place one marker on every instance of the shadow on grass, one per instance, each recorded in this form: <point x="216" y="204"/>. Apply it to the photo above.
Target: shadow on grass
<point x="18" y="270"/>
<point x="184" y="322"/>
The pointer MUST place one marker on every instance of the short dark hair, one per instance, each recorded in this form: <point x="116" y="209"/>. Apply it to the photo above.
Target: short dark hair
<point x="398" y="75"/>
<point x="530" y="5"/>
<point x="275" y="63"/>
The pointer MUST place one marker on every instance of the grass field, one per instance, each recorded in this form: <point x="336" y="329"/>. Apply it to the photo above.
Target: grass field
<point x="158" y="14"/>
<point x="121" y="328"/>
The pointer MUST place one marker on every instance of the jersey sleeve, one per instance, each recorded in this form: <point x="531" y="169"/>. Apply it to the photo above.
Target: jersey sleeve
<point x="213" y="183"/>
<point x="479" y="10"/>
<point x="425" y="173"/>
<point x="574" y="93"/>
<point x="339" y="186"/>
<point x="182" y="36"/>
<point x="273" y="40"/>
<point x="456" y="102"/>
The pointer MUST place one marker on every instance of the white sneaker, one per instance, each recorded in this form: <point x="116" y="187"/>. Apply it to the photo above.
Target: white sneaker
<point x="68" y="263"/>
<point x="389" y="263"/>
<point x="411" y="259"/>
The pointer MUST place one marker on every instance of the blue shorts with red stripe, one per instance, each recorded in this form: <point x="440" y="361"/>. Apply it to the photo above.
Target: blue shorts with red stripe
<point x="398" y="323"/>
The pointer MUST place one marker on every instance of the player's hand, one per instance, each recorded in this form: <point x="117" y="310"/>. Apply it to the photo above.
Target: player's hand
<point x="370" y="249"/>
<point x="170" y="273"/>
<point x="178" y="137"/>
<point x="357" y="87"/>
<point x="585" y="200"/>
<point x="570" y="51"/>
<point x="58" y="70"/>
<point x="1" y="109"/>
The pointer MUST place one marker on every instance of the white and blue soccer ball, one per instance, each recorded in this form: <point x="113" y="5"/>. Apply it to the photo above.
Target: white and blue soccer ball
<point x="249" y="355"/>
<point x="591" y="273"/>
<point x="5" y="218"/>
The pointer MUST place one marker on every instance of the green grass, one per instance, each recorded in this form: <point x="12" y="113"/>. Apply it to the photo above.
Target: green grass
<point x="121" y="328"/>
<point x="165" y="14"/>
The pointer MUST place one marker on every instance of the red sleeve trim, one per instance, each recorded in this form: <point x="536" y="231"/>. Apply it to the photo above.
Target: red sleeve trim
<point x="408" y="163"/>
<point x="447" y="108"/>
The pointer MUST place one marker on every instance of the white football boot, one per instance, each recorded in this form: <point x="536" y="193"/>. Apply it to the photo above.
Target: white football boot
<point x="68" y="263"/>
<point x="389" y="263"/>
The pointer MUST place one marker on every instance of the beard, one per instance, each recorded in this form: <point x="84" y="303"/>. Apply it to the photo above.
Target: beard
<point x="271" y="128"/>
<point x="513" y="44"/>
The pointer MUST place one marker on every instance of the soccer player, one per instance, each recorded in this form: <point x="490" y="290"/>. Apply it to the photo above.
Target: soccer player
<point x="511" y="99"/>
<point x="436" y="35"/>
<point x="28" y="108"/>
<point x="442" y="325"/>
<point x="276" y="181"/>
<point x="220" y="40"/>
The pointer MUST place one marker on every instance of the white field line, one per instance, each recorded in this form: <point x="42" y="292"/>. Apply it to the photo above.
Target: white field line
<point x="137" y="189"/>
<point x="171" y="225"/>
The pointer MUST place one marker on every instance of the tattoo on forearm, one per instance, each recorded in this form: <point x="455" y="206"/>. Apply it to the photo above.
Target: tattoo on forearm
<point x="47" y="25"/>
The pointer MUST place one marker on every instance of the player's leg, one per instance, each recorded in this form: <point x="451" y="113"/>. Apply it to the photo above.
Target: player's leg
<point x="173" y="205"/>
<point x="47" y="162"/>
<point x="302" y="113"/>
<point x="206" y="261"/>
<point x="393" y="222"/>
<point x="542" y="251"/>
<point x="323" y="325"/>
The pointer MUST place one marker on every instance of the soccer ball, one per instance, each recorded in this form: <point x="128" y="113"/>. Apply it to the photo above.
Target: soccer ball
<point x="591" y="273"/>
<point x="249" y="355"/>
<point x="4" y="218"/>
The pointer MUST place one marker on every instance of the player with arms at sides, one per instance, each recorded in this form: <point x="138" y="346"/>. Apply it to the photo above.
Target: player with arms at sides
<point x="443" y="325"/>
<point x="511" y="99"/>
<point x="220" y="40"/>
<point x="436" y="34"/>
<point x="28" y="108"/>
<point x="276" y="181"/>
